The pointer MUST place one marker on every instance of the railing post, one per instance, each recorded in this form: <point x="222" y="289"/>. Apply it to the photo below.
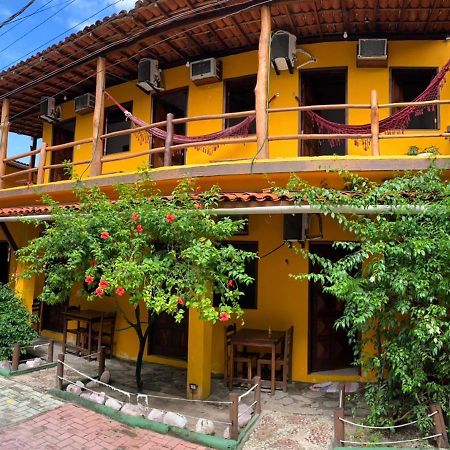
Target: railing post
<point x="169" y="141"/>
<point x="15" y="357"/>
<point x="97" y="120"/>
<point x="261" y="84"/>
<point x="257" y="397"/>
<point x="42" y="158"/>
<point x="4" y="125"/>
<point x="339" y="431"/>
<point x="234" y="416"/>
<point x="374" y="123"/>
<point x="60" y="372"/>
<point x="32" y="162"/>
<point x="51" y="346"/>
<point x="439" y="426"/>
<point x="101" y="361"/>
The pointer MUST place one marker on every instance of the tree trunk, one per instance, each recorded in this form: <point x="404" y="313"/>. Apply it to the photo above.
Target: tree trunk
<point x="140" y="356"/>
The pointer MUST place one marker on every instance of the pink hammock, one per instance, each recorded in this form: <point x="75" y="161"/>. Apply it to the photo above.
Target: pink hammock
<point x="398" y="121"/>
<point x="240" y="129"/>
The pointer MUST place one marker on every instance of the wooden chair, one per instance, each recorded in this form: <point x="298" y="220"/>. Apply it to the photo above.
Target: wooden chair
<point x="37" y="309"/>
<point x="283" y="361"/>
<point x="104" y="333"/>
<point x="241" y="358"/>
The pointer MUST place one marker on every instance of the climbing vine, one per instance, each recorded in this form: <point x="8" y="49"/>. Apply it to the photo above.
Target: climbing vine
<point x="395" y="282"/>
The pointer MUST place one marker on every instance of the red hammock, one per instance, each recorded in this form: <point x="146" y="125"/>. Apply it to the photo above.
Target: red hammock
<point x="398" y="121"/>
<point x="240" y="129"/>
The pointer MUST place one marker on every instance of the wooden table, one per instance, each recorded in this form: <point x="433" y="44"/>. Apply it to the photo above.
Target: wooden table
<point x="90" y="316"/>
<point x="257" y="338"/>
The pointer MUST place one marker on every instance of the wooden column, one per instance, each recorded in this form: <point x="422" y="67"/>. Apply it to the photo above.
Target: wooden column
<point x="234" y="416"/>
<point x="4" y="139"/>
<point x="15" y="357"/>
<point x="60" y="372"/>
<point x="262" y="83"/>
<point x="42" y="158"/>
<point x="32" y="162"/>
<point x="51" y="347"/>
<point x="97" y="120"/>
<point x="101" y="361"/>
<point x="169" y="141"/>
<point x="374" y="123"/>
<point x="339" y="432"/>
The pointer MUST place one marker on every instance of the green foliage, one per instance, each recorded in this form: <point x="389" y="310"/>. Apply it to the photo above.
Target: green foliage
<point x="15" y="323"/>
<point x="155" y="249"/>
<point x="395" y="283"/>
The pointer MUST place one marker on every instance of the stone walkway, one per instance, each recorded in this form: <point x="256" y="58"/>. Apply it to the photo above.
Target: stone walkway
<point x="31" y="420"/>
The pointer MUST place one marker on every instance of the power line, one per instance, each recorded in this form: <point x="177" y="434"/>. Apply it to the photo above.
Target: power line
<point x="19" y="21"/>
<point x="61" y="34"/>
<point x="37" y="26"/>
<point x="251" y="4"/>
<point x="16" y="14"/>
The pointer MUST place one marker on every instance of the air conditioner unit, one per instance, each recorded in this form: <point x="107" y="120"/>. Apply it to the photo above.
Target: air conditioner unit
<point x="205" y="71"/>
<point x="372" y="53"/>
<point x="85" y="103"/>
<point x="283" y="51"/>
<point x="49" y="111"/>
<point x="149" y="76"/>
<point x="294" y="227"/>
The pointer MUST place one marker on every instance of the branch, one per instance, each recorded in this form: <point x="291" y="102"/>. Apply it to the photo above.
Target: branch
<point x="133" y="325"/>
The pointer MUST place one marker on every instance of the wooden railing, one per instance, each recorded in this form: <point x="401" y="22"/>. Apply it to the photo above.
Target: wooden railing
<point x="169" y="147"/>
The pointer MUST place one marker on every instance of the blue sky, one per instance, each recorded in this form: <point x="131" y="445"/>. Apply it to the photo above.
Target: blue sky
<point x="51" y="19"/>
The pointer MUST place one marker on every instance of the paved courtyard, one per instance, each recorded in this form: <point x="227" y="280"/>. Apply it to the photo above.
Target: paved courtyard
<point x="31" y="420"/>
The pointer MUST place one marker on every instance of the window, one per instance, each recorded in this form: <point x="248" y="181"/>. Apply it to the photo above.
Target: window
<point x="406" y="85"/>
<point x="240" y="96"/>
<point x="115" y="121"/>
<point x="248" y="300"/>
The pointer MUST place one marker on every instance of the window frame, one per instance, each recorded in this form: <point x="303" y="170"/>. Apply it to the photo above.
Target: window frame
<point x="391" y="83"/>
<point x="105" y="127"/>
<point x="226" y="82"/>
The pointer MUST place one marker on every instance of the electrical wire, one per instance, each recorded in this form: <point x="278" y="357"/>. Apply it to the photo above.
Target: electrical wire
<point x="64" y="32"/>
<point x="220" y="2"/>
<point x="37" y="26"/>
<point x="16" y="14"/>
<point x="273" y="250"/>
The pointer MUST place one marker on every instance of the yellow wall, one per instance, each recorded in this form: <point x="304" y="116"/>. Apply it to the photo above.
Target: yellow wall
<point x="209" y="99"/>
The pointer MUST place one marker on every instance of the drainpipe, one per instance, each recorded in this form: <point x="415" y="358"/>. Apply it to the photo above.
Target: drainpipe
<point x="259" y="210"/>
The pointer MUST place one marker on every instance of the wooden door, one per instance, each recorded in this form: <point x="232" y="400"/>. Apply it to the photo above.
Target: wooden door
<point x="174" y="102"/>
<point x="169" y="338"/>
<point x="62" y="134"/>
<point x="329" y="348"/>
<point x="4" y="262"/>
<point x="320" y="87"/>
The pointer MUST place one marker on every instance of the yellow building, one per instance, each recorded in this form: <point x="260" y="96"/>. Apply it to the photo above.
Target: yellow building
<point x="210" y="56"/>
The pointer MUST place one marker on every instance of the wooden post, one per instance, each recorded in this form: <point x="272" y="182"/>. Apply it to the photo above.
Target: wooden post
<point x="60" y="372"/>
<point x="51" y="346"/>
<point x="439" y="426"/>
<point x="4" y="125"/>
<point x="234" y="416"/>
<point x="32" y="162"/>
<point x="374" y="123"/>
<point x="338" y="427"/>
<point x="42" y="157"/>
<point x="257" y="397"/>
<point x="97" y="119"/>
<point x="16" y="357"/>
<point x="169" y="141"/>
<point x="101" y="361"/>
<point x="261" y="83"/>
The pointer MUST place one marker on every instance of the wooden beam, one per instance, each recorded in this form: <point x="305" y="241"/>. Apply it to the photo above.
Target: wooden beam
<point x="9" y="237"/>
<point x="316" y="15"/>
<point x="261" y="84"/>
<point x="242" y="33"/>
<point x="345" y="16"/>
<point x="429" y="22"/>
<point x="4" y="125"/>
<point x="97" y="120"/>
<point x="289" y="19"/>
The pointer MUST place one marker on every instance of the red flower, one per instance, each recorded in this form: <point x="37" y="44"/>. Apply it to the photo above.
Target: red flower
<point x="180" y="301"/>
<point x="99" y="291"/>
<point x="104" y="235"/>
<point x="139" y="228"/>
<point x="198" y="206"/>
<point x="103" y="284"/>
<point x="135" y="216"/>
<point x="198" y="189"/>
<point x="230" y="283"/>
<point x="170" y="218"/>
<point x="120" y="291"/>
<point x="89" y="279"/>
<point x="224" y="316"/>
<point x="92" y="263"/>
